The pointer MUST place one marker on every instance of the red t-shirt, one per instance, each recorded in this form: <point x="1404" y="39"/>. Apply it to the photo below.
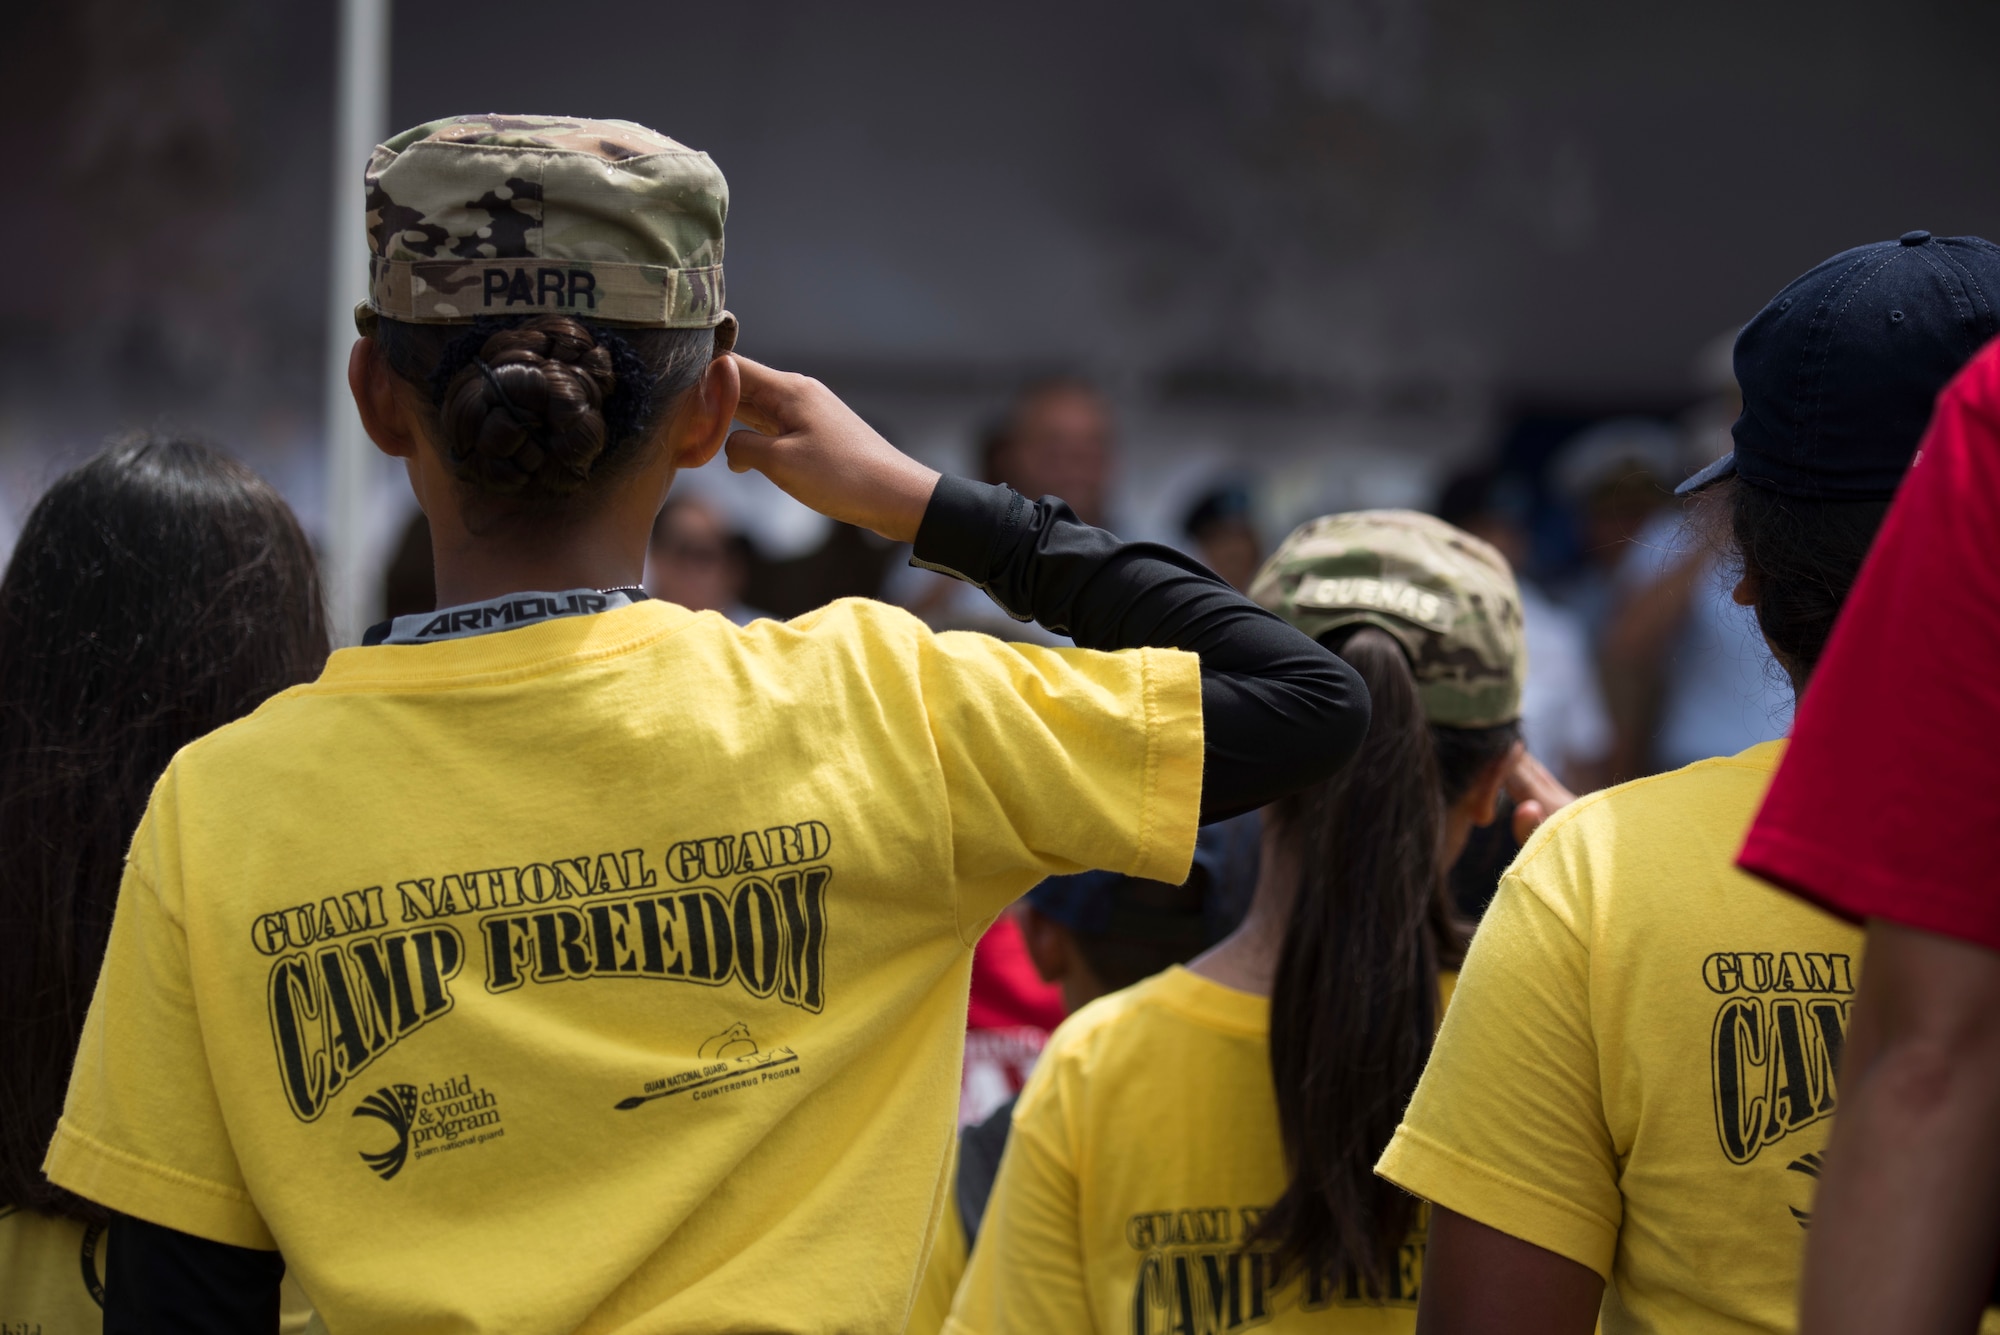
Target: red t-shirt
<point x="1006" y="991"/>
<point x="1888" y="802"/>
<point x="1008" y="1019"/>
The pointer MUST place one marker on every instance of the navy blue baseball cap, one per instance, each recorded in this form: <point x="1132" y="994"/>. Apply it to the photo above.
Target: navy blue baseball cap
<point x="1090" y="902"/>
<point x="1840" y="371"/>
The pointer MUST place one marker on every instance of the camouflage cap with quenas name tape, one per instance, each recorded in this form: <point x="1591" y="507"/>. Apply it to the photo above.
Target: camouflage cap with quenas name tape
<point x="1449" y="599"/>
<point x="476" y="216"/>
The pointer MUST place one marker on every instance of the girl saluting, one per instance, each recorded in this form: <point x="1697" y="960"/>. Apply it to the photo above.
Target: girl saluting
<point x="574" y="961"/>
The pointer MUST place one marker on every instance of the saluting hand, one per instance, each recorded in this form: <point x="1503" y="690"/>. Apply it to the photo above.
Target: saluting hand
<point x="820" y="452"/>
<point x="1537" y="794"/>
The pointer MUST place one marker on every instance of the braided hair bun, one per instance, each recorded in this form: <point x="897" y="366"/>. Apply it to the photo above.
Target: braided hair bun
<point x="526" y="414"/>
<point x="539" y="411"/>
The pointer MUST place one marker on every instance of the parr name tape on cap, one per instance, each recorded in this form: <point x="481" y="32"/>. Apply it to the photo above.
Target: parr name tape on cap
<point x="521" y="215"/>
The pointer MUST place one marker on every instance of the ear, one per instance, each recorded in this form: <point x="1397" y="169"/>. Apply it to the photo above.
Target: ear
<point x="1482" y="800"/>
<point x="706" y="412"/>
<point x="385" y="415"/>
<point x="1048" y="943"/>
<point x="1746" y="591"/>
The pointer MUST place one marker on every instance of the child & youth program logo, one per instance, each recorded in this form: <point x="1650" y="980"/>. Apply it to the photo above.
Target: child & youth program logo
<point x="451" y="1114"/>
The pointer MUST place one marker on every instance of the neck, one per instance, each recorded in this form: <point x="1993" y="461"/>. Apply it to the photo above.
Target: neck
<point x="470" y="570"/>
<point x="597" y="552"/>
<point x="1247" y="959"/>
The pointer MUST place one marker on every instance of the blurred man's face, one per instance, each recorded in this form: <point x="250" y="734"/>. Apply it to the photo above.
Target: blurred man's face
<point x="1614" y="515"/>
<point x="1504" y="534"/>
<point x="1061" y="446"/>
<point x="1230" y="548"/>
<point x="690" y="561"/>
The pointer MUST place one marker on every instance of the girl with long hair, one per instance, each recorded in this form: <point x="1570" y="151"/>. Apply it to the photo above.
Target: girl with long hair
<point x="565" y="960"/>
<point x="157" y="592"/>
<point x="1197" y="1152"/>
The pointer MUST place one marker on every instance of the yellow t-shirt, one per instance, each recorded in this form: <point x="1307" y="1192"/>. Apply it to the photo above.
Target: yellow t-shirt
<point x="607" y="973"/>
<point x="1144" y="1148"/>
<point x="1637" y="1073"/>
<point x="51" y="1274"/>
<point x="52" y="1278"/>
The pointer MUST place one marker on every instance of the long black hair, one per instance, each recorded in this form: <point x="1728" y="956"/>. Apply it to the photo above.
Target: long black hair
<point x="1354" y="1006"/>
<point x="157" y="592"/>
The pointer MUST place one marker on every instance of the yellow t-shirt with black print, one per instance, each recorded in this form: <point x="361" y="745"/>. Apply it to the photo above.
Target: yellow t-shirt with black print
<point x="52" y="1278"/>
<point x="51" y="1274"/>
<point x="606" y="973"/>
<point x="1144" y="1149"/>
<point x="1638" y="1070"/>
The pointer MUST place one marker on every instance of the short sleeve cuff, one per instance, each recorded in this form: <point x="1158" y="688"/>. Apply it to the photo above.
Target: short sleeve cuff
<point x="1463" y="1185"/>
<point x="1171" y="815"/>
<point x="154" y="1192"/>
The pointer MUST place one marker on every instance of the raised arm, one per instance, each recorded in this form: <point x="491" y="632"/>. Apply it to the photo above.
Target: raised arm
<point x="1278" y="711"/>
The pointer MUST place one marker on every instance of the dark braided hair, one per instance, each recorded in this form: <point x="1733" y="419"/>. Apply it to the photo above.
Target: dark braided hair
<point x="538" y="408"/>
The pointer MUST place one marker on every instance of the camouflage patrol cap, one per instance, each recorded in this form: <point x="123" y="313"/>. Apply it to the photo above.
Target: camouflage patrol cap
<point x="1448" y="599"/>
<point x="523" y="215"/>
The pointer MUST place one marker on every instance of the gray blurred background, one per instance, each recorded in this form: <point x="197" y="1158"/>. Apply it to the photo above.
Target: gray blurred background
<point x="1341" y="247"/>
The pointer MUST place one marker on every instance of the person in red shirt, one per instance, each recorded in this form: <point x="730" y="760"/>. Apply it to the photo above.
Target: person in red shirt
<point x="1887" y="809"/>
<point x="1008" y="1018"/>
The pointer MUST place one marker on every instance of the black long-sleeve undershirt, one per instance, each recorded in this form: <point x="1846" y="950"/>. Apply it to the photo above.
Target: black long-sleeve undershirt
<point x="161" y="1282"/>
<point x="1278" y="713"/>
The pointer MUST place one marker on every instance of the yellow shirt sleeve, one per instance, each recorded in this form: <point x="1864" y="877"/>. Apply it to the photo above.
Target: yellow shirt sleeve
<point x="1062" y="760"/>
<point x="1507" y="1125"/>
<point x="142" y="1131"/>
<point x="946" y="1265"/>
<point x="1026" y="1272"/>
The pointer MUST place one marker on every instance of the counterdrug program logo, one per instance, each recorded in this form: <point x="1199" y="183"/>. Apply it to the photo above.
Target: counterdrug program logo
<point x="396" y="1105"/>
<point x="731" y="1060"/>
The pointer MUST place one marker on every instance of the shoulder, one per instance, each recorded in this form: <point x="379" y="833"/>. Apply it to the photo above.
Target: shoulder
<point x="861" y="629"/>
<point x="870" y="626"/>
<point x="243" y="741"/>
<point x="1976" y="387"/>
<point x="1664" y="826"/>
<point x="1100" y="1033"/>
<point x="1958" y="465"/>
<point x="1702" y="789"/>
<point x="880" y="641"/>
<point x="851" y="617"/>
<point x="1083" y="1036"/>
<point x="212" y="776"/>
